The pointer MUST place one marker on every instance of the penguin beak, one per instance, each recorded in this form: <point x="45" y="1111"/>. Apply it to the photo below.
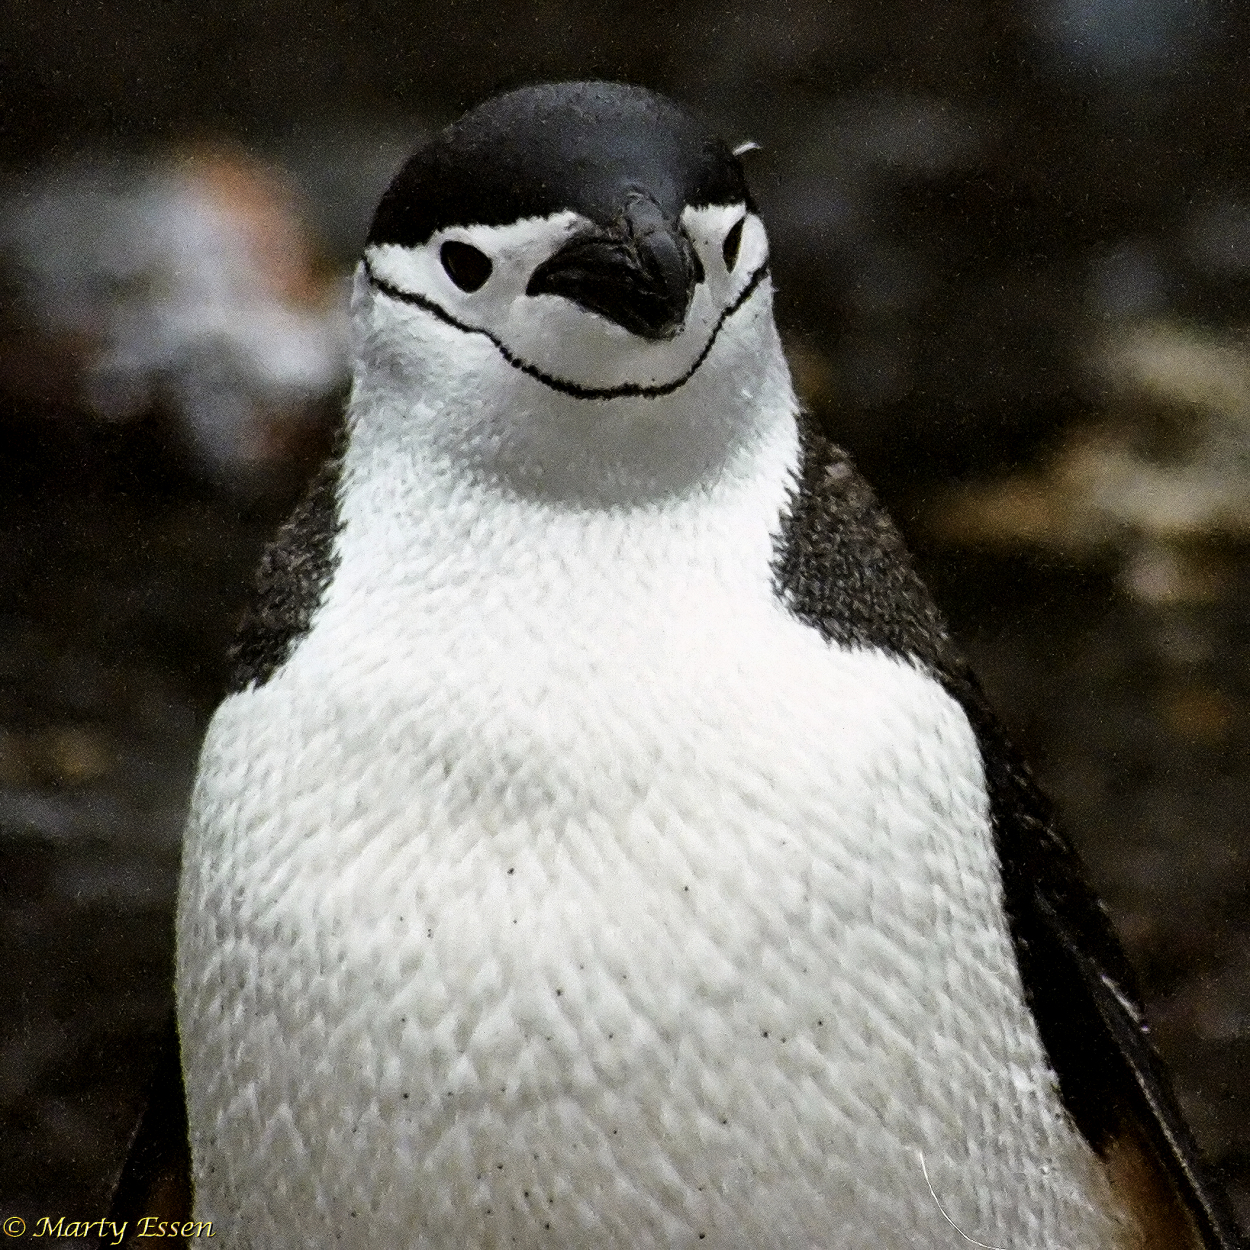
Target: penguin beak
<point x="640" y="271"/>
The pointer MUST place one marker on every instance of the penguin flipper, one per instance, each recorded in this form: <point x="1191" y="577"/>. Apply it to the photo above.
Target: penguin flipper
<point x="1152" y="1159"/>
<point x="1082" y="992"/>
<point x="156" y="1177"/>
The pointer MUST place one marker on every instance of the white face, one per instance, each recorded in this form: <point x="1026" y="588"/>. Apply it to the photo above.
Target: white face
<point x="555" y="340"/>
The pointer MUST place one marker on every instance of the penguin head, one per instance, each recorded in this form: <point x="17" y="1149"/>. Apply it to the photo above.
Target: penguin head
<point x="564" y="246"/>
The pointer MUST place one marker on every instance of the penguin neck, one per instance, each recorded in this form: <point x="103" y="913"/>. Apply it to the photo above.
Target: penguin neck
<point x="681" y="496"/>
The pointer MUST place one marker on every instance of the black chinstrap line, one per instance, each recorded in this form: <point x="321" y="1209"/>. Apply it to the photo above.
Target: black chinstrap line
<point x="559" y="384"/>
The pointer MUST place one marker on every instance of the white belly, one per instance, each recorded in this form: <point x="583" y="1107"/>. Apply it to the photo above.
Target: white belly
<point x="694" y="944"/>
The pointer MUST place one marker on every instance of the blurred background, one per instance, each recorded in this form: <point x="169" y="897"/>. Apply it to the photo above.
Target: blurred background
<point x="1012" y="252"/>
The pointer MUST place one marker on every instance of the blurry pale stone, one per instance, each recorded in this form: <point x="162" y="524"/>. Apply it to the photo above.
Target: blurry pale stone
<point x="1023" y="510"/>
<point x="1158" y="573"/>
<point x="1163" y="476"/>
<point x="68" y="755"/>
<point x="1178" y="364"/>
<point x="77" y="755"/>
<point x="198" y="291"/>
<point x="1199" y="713"/>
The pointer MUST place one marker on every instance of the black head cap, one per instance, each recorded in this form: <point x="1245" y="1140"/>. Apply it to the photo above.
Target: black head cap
<point x="577" y="145"/>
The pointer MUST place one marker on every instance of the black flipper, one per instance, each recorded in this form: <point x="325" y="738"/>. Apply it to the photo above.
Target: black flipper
<point x="155" y="1180"/>
<point x="1157" y="1114"/>
<point x="1083" y="992"/>
<point x="842" y="568"/>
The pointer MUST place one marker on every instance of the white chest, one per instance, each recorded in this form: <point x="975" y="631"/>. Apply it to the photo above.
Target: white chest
<point x="564" y="891"/>
<point x="679" y="932"/>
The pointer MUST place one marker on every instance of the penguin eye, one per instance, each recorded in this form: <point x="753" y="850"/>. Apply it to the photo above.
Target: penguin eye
<point x="733" y="241"/>
<point x="466" y="266"/>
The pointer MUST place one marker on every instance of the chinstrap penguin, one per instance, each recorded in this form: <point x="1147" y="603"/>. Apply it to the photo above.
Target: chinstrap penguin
<point x="602" y="843"/>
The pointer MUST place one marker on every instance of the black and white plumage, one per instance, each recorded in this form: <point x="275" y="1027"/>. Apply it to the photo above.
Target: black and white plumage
<point x="603" y="843"/>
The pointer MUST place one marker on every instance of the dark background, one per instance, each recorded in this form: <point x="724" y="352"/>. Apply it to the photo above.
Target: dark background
<point x="1012" y="252"/>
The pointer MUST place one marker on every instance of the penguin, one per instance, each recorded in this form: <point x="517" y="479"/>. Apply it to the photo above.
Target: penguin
<point x="603" y="842"/>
